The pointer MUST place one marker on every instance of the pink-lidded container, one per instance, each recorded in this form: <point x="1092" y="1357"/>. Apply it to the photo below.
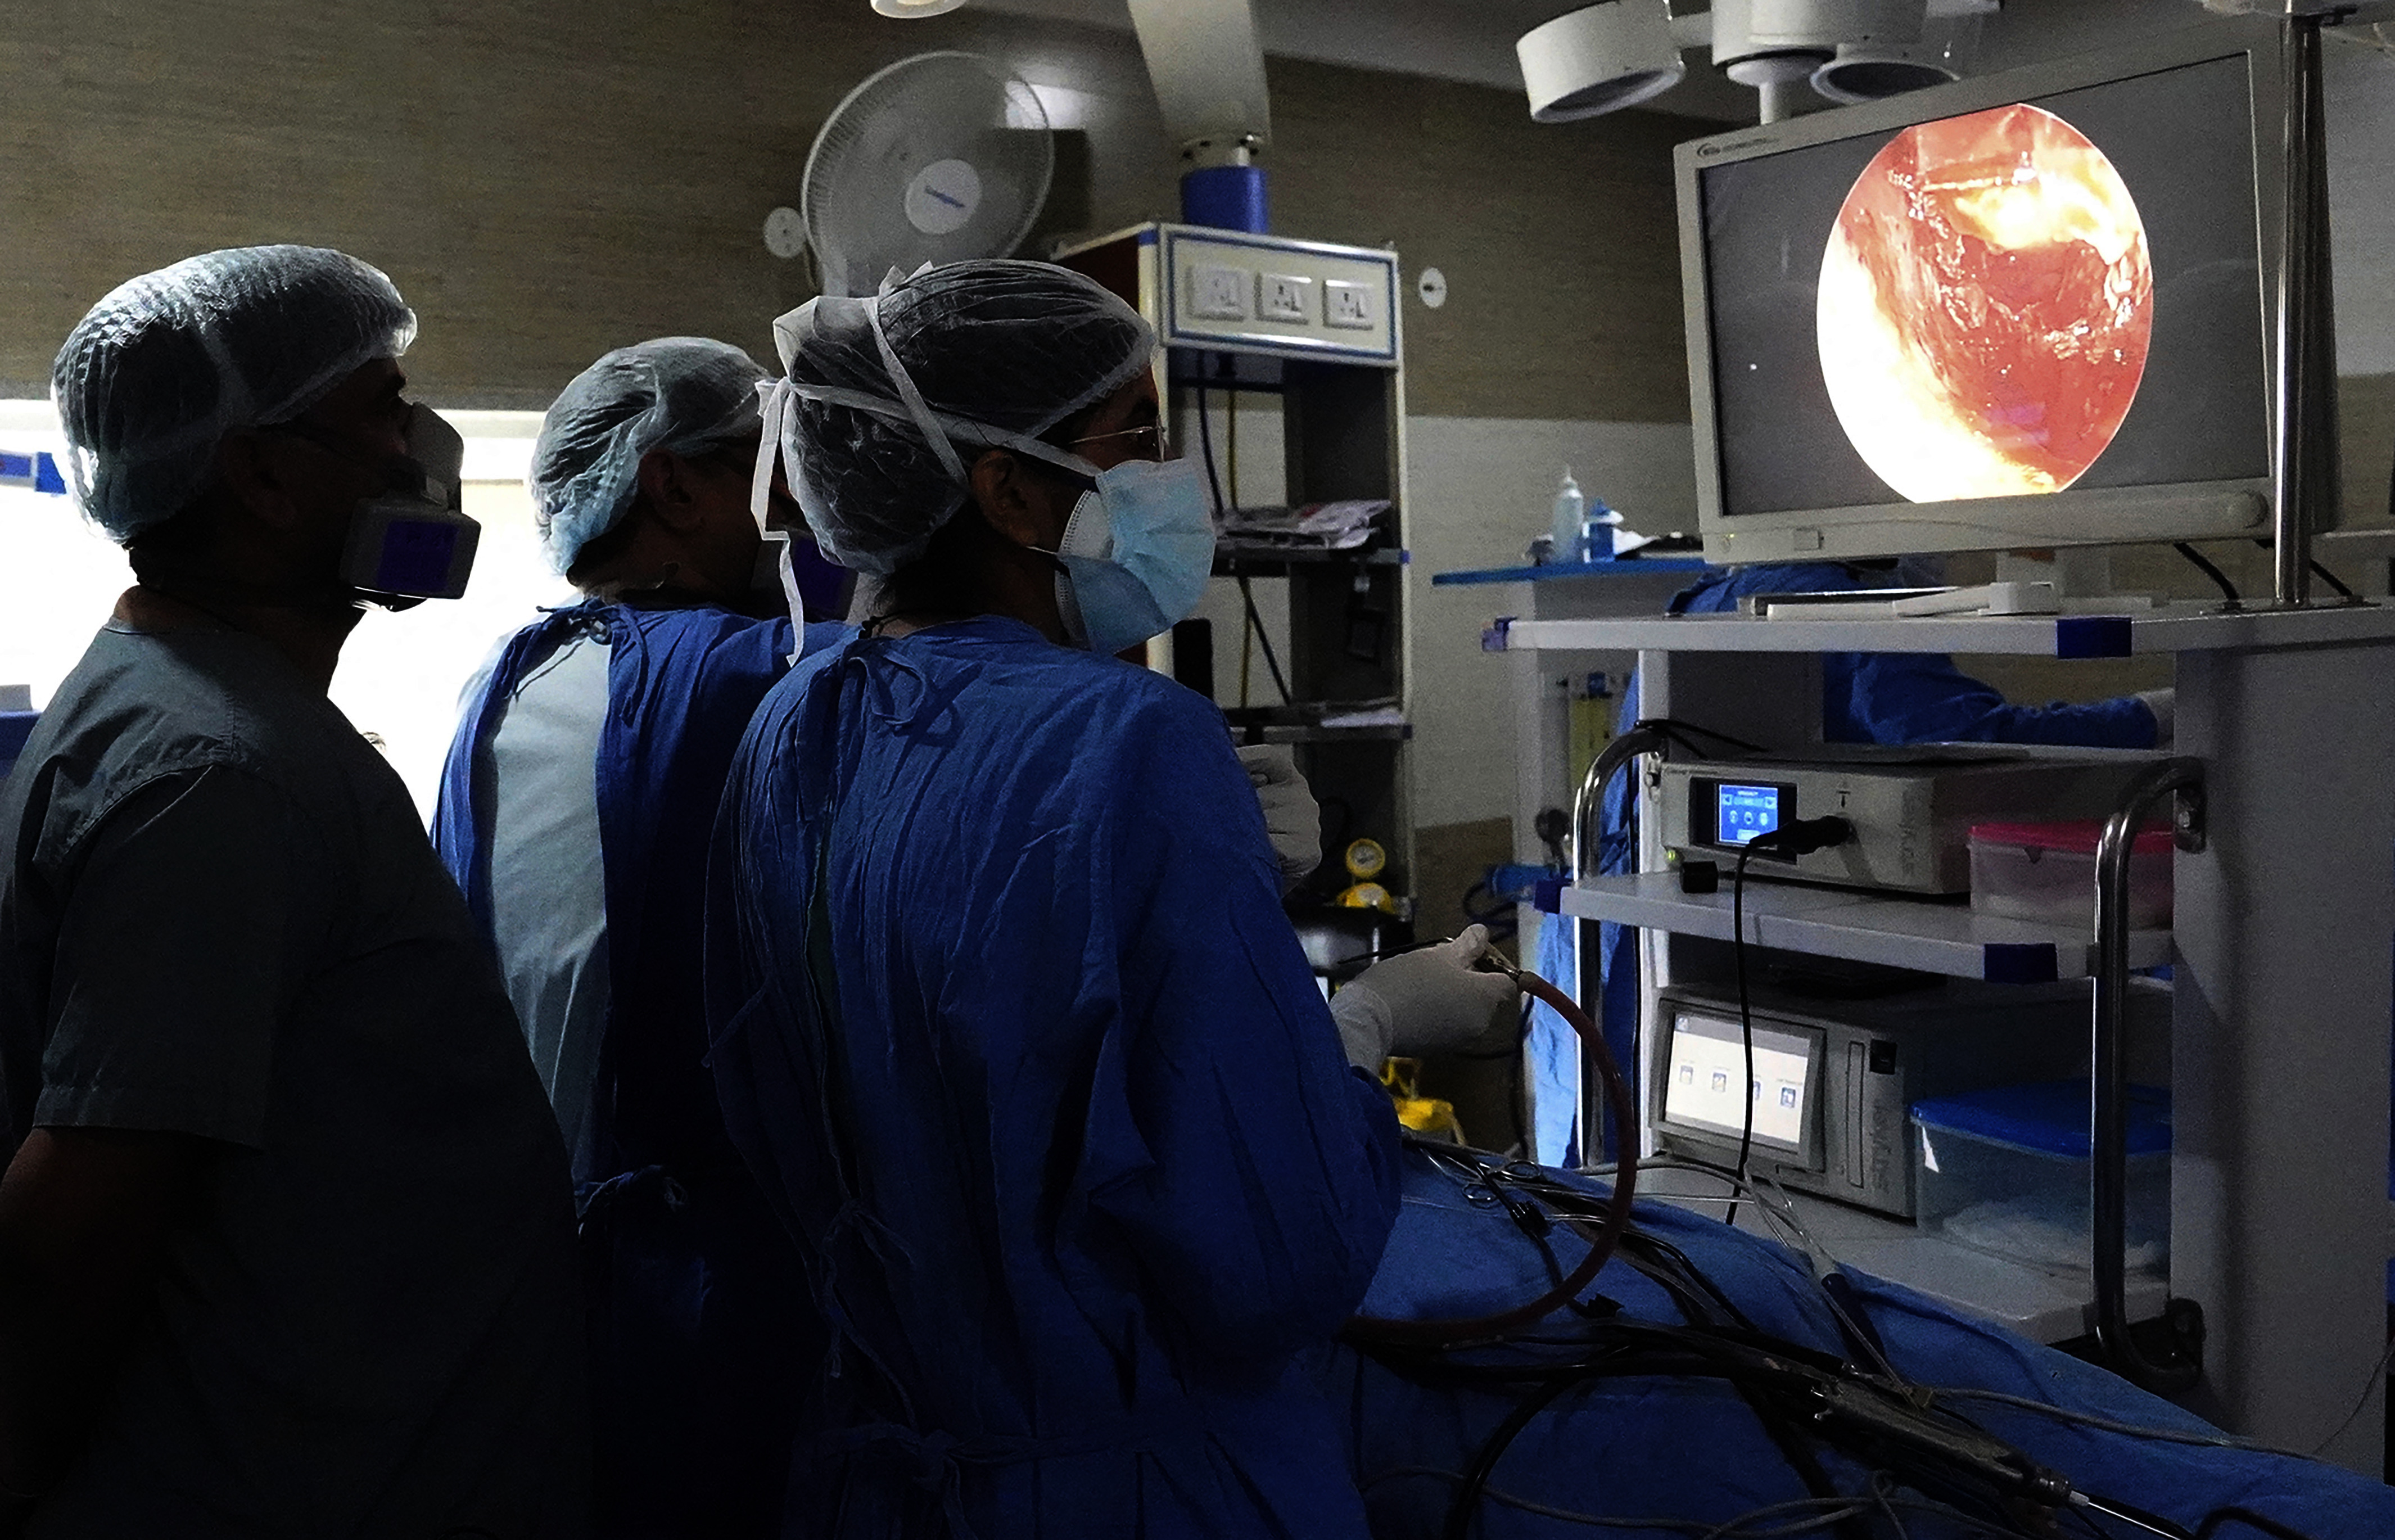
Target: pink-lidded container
<point x="2046" y="872"/>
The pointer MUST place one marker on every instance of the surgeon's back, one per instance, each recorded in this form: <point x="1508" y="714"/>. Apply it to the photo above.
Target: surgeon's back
<point x="1009" y="1020"/>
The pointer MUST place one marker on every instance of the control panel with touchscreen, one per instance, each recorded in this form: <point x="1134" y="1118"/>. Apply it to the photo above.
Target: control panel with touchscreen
<point x="1730" y="815"/>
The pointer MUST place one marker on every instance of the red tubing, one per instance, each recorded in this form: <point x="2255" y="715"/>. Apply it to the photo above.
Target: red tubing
<point x="1482" y="1329"/>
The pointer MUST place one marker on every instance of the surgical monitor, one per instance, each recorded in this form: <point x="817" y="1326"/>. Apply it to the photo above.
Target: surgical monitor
<point x="2023" y="310"/>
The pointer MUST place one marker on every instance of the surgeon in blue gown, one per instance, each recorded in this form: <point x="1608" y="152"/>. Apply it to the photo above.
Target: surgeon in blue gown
<point x="574" y="812"/>
<point x="1006" y="1015"/>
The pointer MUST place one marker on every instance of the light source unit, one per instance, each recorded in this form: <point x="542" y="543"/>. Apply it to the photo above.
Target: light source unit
<point x="911" y="10"/>
<point x="1600" y="59"/>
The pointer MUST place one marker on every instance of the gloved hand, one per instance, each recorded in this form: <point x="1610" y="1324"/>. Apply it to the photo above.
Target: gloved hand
<point x="2164" y="705"/>
<point x="1291" y="816"/>
<point x="1426" y="1002"/>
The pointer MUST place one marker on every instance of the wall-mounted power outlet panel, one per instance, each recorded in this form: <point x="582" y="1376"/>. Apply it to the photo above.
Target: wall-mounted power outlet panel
<point x="1224" y="288"/>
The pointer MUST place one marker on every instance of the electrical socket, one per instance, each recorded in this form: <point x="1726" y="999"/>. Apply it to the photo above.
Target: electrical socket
<point x="1218" y="293"/>
<point x="1283" y="297"/>
<point x="1348" y="306"/>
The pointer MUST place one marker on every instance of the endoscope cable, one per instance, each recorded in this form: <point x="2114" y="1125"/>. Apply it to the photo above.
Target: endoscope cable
<point x="1474" y="1330"/>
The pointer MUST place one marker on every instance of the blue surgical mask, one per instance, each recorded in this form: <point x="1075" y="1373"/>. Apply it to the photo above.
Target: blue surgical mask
<point x="1135" y="554"/>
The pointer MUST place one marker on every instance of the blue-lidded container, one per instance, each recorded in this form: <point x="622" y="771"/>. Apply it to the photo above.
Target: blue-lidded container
<point x="2006" y="1170"/>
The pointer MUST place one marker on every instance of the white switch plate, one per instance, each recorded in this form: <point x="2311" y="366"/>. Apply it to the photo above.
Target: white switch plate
<point x="1346" y="305"/>
<point x="1284" y="297"/>
<point x="1218" y="293"/>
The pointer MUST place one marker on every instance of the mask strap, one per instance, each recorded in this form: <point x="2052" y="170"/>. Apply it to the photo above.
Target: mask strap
<point x="773" y="413"/>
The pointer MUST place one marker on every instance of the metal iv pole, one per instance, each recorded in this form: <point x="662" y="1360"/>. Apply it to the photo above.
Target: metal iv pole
<point x="2304" y="468"/>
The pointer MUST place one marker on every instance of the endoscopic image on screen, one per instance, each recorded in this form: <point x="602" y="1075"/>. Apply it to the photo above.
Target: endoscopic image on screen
<point x="2011" y="301"/>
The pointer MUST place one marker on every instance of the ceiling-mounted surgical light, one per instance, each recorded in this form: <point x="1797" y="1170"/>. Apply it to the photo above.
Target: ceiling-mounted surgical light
<point x="911" y="10"/>
<point x="1622" y="52"/>
<point x="1606" y="57"/>
<point x="1864" y="71"/>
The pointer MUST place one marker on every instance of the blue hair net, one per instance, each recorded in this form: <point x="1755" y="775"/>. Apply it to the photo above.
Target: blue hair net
<point x="988" y="349"/>
<point x="683" y="394"/>
<point x="162" y="368"/>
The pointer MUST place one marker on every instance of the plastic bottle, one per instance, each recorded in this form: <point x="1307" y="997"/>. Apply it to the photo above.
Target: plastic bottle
<point x="1596" y="531"/>
<point x="1570" y="511"/>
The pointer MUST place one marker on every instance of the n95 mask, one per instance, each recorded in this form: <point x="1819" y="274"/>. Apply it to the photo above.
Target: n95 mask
<point x="412" y="540"/>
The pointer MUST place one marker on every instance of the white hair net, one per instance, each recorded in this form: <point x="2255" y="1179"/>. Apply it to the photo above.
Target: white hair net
<point x="169" y="362"/>
<point x="882" y="390"/>
<point x="683" y="394"/>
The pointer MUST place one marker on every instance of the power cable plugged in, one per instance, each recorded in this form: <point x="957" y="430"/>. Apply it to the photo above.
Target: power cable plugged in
<point x="1799" y="837"/>
<point x="1804" y="836"/>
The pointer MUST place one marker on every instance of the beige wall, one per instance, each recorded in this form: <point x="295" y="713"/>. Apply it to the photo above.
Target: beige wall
<point x="546" y="179"/>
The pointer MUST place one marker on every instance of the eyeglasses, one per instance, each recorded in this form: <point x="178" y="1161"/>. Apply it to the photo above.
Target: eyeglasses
<point x="1150" y="443"/>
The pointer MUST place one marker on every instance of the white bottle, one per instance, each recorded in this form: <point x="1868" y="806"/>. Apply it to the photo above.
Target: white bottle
<point x="1571" y="507"/>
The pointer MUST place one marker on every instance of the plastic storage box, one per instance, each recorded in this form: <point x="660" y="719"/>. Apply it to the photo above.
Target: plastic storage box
<point x="2046" y="872"/>
<point x="2006" y="1170"/>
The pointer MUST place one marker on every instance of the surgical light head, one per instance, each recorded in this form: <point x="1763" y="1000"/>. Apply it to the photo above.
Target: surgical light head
<point x="168" y="364"/>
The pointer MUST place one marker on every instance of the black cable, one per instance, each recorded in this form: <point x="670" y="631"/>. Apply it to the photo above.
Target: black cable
<point x="1800" y="837"/>
<point x="1675" y="729"/>
<point x="1247" y="597"/>
<point x="1745" y="1019"/>
<point x="2203" y="565"/>
<point x="1206" y="445"/>
<point x="2325" y="575"/>
<point x="1484" y="1462"/>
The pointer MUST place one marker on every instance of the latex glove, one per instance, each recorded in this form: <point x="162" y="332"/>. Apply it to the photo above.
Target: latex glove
<point x="1420" y="1003"/>
<point x="1291" y="816"/>
<point x="2164" y="705"/>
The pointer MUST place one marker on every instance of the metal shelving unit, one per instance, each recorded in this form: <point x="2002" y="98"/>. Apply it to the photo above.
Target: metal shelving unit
<point x="2283" y="924"/>
<point x="1341" y="390"/>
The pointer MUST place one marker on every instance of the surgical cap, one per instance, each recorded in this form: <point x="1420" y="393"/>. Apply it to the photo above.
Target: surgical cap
<point x="991" y="349"/>
<point x="169" y="362"/>
<point x="683" y="394"/>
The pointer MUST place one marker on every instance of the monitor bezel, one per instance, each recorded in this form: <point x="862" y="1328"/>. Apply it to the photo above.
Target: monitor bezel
<point x="2074" y="516"/>
<point x="1809" y="1152"/>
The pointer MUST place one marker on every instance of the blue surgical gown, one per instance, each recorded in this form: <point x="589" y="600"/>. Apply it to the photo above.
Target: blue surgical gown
<point x="1009" y="1020"/>
<point x="693" y="1350"/>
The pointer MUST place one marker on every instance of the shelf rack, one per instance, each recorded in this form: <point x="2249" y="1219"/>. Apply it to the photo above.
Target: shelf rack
<point x="2041" y="1304"/>
<point x="1927" y="935"/>
<point x="2282" y="928"/>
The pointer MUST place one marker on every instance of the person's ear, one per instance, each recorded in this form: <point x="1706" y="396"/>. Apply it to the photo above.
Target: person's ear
<point x="256" y="470"/>
<point x="1013" y="500"/>
<point x="667" y="485"/>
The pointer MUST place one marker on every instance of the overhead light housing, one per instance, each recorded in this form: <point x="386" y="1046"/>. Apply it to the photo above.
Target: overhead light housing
<point x="914" y="11"/>
<point x="1600" y="59"/>
<point x="1861" y="72"/>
